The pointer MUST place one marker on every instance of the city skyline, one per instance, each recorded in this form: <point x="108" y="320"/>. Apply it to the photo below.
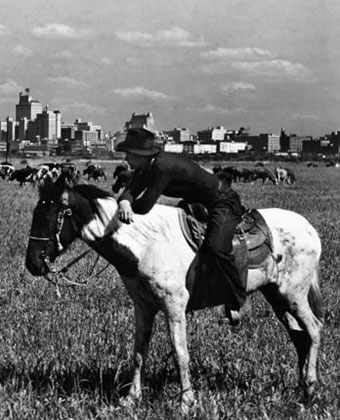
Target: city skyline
<point x="267" y="65"/>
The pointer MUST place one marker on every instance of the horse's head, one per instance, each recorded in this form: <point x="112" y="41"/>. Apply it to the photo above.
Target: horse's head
<point x="61" y="215"/>
<point x="53" y="227"/>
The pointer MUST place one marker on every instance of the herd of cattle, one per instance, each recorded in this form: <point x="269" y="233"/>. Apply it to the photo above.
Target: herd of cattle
<point x="52" y="171"/>
<point x="235" y="174"/>
<point x="122" y="175"/>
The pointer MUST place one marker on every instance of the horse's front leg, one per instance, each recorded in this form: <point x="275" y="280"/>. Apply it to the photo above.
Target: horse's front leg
<point x="178" y="335"/>
<point x="144" y="318"/>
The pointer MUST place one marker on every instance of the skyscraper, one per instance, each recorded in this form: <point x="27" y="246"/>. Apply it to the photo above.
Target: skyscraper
<point x="27" y="107"/>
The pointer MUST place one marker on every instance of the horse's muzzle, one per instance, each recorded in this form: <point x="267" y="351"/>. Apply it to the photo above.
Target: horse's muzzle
<point x="35" y="263"/>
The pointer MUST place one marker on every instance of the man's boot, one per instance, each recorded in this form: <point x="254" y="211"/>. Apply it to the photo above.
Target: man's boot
<point x="233" y="317"/>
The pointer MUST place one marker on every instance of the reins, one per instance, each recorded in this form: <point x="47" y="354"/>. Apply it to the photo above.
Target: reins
<point x="60" y="275"/>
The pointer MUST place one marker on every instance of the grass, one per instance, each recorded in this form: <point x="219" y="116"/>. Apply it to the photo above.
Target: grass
<point x="69" y="358"/>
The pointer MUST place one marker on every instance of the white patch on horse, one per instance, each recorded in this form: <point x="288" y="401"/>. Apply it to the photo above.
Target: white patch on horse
<point x="152" y="233"/>
<point x="101" y="225"/>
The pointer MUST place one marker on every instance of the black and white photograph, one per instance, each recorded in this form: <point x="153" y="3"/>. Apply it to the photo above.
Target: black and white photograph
<point x="169" y="223"/>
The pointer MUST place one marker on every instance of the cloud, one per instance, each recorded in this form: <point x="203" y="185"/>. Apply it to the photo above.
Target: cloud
<point x="3" y="30"/>
<point x="140" y="91"/>
<point x="23" y="51"/>
<point x="255" y="62"/>
<point x="132" y="61"/>
<point x="229" y="54"/>
<point x="84" y="108"/>
<point x="176" y="37"/>
<point x="275" y="68"/>
<point x="56" y="31"/>
<point x="304" y="117"/>
<point x="238" y="87"/>
<point x="225" y="111"/>
<point x="66" y="81"/>
<point x="63" y="54"/>
<point x="10" y="87"/>
<point x="106" y="61"/>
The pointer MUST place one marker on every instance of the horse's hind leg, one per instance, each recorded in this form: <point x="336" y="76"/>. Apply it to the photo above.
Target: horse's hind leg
<point x="304" y="329"/>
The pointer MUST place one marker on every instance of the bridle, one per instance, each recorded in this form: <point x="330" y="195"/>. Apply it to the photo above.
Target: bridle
<point x="64" y="211"/>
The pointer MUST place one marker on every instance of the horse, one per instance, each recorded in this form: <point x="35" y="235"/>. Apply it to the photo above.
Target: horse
<point x="153" y="258"/>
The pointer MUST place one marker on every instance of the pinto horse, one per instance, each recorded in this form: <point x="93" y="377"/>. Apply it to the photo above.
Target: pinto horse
<point x="153" y="258"/>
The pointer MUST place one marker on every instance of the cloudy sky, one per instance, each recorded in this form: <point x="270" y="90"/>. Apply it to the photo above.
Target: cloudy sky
<point x="262" y="64"/>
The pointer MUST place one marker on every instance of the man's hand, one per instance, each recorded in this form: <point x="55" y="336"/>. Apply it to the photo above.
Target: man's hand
<point x="125" y="212"/>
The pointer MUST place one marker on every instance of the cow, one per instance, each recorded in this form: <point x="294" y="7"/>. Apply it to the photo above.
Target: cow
<point x="265" y="174"/>
<point x="285" y="175"/>
<point x="123" y="179"/>
<point x="24" y="175"/>
<point x="6" y="169"/>
<point x="95" y="172"/>
<point x="70" y="172"/>
<point x="48" y="171"/>
<point x="245" y="175"/>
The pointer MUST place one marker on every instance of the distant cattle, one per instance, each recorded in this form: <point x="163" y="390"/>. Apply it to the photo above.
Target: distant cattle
<point x="119" y="168"/>
<point x="312" y="165"/>
<point x="70" y="172"/>
<point x="285" y="175"/>
<point x="47" y="171"/>
<point x="122" y="180"/>
<point x="95" y="171"/>
<point x="24" y="175"/>
<point x="52" y="171"/>
<point x="6" y="169"/>
<point x="265" y="174"/>
<point x="244" y="175"/>
<point x="228" y="173"/>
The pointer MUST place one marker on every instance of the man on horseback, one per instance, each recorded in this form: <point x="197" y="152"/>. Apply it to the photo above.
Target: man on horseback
<point x="163" y="173"/>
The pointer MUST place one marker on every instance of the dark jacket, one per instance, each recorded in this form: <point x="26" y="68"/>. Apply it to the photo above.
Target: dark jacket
<point x="176" y="176"/>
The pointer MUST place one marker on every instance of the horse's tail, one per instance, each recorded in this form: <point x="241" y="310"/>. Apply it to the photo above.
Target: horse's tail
<point x="314" y="297"/>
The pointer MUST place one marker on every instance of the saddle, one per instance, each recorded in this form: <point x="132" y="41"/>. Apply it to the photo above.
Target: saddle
<point x="252" y="244"/>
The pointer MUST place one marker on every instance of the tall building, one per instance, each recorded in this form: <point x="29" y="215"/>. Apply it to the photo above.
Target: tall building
<point x="10" y="128"/>
<point x="180" y="135"/>
<point x="212" y="134"/>
<point x="23" y="124"/>
<point x="48" y="125"/>
<point x="27" y="107"/>
<point x="141" y="121"/>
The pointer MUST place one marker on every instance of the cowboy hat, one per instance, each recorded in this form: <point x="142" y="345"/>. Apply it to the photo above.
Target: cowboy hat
<point x="139" y="141"/>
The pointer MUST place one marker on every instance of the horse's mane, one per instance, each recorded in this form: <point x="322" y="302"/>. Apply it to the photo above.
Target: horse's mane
<point x="91" y="192"/>
<point x="52" y="191"/>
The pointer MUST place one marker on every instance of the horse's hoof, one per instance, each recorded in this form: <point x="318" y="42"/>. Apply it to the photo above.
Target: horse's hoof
<point x="308" y="393"/>
<point x="188" y="403"/>
<point x="128" y="403"/>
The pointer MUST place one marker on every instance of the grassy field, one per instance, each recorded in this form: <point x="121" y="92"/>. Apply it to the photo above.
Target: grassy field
<point x="69" y="358"/>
